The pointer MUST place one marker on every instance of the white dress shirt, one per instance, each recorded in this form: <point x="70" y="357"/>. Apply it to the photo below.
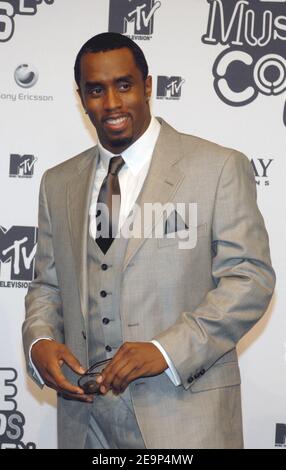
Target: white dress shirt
<point x="132" y="175"/>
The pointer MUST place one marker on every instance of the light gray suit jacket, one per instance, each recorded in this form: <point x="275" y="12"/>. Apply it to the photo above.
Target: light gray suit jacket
<point x="197" y="303"/>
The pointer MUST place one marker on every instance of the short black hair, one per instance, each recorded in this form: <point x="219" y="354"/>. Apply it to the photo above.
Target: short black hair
<point x="109" y="41"/>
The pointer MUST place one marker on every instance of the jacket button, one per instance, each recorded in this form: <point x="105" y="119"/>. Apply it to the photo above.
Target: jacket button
<point x="103" y="293"/>
<point x="196" y="376"/>
<point x="108" y="348"/>
<point x="104" y="267"/>
<point x="83" y="334"/>
<point x="105" y="321"/>
<point x="202" y="372"/>
<point x="190" y="379"/>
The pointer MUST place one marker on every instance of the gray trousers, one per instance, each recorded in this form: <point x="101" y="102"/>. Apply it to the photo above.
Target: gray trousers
<point x="113" y="423"/>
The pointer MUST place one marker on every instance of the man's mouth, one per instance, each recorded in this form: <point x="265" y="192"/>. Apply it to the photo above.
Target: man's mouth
<point x="116" y="123"/>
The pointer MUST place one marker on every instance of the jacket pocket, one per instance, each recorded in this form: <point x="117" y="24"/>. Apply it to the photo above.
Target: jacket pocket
<point x="175" y="238"/>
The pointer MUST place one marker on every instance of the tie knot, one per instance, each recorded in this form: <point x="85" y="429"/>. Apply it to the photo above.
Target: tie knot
<point x="115" y="165"/>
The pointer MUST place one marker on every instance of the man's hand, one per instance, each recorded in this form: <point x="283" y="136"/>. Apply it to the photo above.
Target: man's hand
<point x="132" y="360"/>
<point x="49" y="356"/>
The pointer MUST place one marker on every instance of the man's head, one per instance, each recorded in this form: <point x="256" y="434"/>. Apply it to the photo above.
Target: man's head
<point x="113" y="83"/>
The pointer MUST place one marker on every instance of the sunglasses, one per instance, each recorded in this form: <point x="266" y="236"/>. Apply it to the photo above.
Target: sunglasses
<point x="87" y="381"/>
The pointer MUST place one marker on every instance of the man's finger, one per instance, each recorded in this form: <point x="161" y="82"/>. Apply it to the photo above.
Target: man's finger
<point x="72" y="362"/>
<point x="109" y="374"/>
<point x="135" y="374"/>
<point x="73" y="396"/>
<point x="121" y="376"/>
<point x="49" y="380"/>
<point x="62" y="383"/>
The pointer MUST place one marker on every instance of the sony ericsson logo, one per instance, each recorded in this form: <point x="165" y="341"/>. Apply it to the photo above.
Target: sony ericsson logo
<point x="26" y="75"/>
<point x="255" y="60"/>
<point x="134" y="18"/>
<point x="10" y="8"/>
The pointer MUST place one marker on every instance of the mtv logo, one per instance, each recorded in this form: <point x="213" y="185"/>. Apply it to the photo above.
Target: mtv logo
<point x="280" y="435"/>
<point x="22" y="165"/>
<point x="132" y="16"/>
<point x="169" y="86"/>
<point x="18" y="246"/>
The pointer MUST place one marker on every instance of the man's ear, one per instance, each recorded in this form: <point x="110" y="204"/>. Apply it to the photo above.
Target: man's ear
<point x="81" y="99"/>
<point x="148" y="87"/>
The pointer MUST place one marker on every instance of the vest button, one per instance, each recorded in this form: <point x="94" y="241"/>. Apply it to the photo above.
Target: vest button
<point x="108" y="348"/>
<point x="105" y="321"/>
<point x="104" y="267"/>
<point x="103" y="293"/>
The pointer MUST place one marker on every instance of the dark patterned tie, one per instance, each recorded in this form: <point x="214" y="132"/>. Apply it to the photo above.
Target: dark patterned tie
<point x="108" y="207"/>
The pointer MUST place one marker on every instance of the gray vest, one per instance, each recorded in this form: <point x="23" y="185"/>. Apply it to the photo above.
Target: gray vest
<point x="113" y="424"/>
<point x="104" y="279"/>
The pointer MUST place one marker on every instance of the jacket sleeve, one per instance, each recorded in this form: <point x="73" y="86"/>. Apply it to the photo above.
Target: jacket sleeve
<point x="243" y="277"/>
<point x="43" y="300"/>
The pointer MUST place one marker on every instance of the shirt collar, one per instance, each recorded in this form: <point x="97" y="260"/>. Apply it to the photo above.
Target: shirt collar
<point x="139" y="153"/>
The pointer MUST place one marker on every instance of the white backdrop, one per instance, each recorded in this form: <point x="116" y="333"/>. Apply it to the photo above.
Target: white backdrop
<point x="219" y="71"/>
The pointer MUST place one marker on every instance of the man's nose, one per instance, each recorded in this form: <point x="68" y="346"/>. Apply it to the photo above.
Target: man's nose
<point x="112" y="99"/>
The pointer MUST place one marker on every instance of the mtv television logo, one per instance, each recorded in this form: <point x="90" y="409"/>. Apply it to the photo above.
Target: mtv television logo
<point x="22" y="165"/>
<point x="134" y="17"/>
<point x="169" y="87"/>
<point x="18" y="247"/>
<point x="280" y="435"/>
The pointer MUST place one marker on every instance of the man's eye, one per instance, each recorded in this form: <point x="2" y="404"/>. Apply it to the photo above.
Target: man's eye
<point x="96" y="90"/>
<point x="124" y="86"/>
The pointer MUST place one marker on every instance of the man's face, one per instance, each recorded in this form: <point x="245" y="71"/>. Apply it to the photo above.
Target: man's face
<point x="115" y="96"/>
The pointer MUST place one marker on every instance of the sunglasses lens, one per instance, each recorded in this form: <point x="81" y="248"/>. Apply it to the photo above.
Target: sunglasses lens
<point x="88" y="380"/>
<point x="90" y="387"/>
<point x="89" y="384"/>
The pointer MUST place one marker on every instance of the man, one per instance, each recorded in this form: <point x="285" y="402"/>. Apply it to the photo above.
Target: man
<point x="168" y="315"/>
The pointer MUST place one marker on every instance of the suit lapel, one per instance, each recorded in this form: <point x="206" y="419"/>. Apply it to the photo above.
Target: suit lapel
<point x="162" y="182"/>
<point x="161" y="185"/>
<point x="79" y="192"/>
